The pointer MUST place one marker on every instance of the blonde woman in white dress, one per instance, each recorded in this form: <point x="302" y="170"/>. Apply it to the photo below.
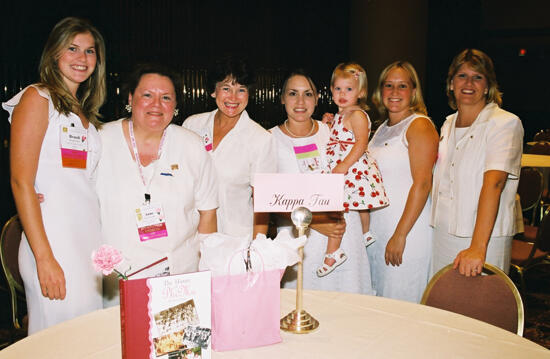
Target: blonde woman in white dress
<point x="405" y="146"/>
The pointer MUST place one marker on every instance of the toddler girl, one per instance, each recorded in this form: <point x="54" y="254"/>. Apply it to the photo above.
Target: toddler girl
<point x="347" y="153"/>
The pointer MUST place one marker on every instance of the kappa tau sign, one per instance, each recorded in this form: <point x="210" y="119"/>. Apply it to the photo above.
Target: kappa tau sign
<point x="282" y="192"/>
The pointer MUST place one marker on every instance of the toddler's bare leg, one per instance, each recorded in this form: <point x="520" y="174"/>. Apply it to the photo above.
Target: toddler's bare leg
<point x="365" y="220"/>
<point x="368" y="237"/>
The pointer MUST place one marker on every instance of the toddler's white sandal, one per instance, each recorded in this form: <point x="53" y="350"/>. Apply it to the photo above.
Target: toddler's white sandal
<point x="339" y="257"/>
<point x="368" y="238"/>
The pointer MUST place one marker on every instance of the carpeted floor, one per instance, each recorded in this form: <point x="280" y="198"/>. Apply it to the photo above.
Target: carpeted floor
<point x="536" y="301"/>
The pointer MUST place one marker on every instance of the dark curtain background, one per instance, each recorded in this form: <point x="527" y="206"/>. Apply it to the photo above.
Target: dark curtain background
<point x="500" y="28"/>
<point x="276" y="36"/>
<point x="187" y="35"/>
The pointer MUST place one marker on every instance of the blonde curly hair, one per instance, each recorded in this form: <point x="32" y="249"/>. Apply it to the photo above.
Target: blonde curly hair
<point x="348" y="70"/>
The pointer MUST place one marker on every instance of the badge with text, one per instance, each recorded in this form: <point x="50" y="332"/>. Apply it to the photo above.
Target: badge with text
<point x="282" y="192"/>
<point x="207" y="140"/>
<point x="74" y="146"/>
<point x="308" y="157"/>
<point x="151" y="222"/>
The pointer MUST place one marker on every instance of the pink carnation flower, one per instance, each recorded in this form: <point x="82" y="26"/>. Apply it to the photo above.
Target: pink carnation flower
<point x="106" y="258"/>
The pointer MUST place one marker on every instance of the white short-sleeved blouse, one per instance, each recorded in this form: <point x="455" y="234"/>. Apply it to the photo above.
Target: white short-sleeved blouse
<point x="247" y="149"/>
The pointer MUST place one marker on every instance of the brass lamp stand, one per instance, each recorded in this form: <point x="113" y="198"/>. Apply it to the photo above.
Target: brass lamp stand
<point x="299" y="321"/>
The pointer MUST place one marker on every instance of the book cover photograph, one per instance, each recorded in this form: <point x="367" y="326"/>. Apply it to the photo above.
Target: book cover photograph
<point x="175" y="318"/>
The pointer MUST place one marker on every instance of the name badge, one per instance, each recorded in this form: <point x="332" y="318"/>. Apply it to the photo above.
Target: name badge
<point x="151" y="222"/>
<point x="207" y="140"/>
<point x="308" y="157"/>
<point x="74" y="146"/>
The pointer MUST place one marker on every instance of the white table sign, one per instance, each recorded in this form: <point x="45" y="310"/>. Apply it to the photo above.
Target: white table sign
<point x="282" y="192"/>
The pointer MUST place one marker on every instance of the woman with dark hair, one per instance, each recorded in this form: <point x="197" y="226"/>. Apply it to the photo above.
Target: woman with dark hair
<point x="238" y="146"/>
<point x="54" y="150"/>
<point x="152" y="180"/>
<point x="477" y="170"/>
<point x="297" y="133"/>
<point x="405" y="146"/>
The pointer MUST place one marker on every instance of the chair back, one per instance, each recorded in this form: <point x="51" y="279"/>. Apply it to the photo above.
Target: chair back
<point x="543" y="234"/>
<point x="9" y="253"/>
<point x="542" y="135"/>
<point x="539" y="148"/>
<point x="530" y="188"/>
<point x="492" y="298"/>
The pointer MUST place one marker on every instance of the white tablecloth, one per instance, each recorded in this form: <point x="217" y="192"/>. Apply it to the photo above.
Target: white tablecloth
<point x="351" y="326"/>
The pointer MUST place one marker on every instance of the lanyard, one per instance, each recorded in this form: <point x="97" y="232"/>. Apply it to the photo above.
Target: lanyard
<point x="147" y="184"/>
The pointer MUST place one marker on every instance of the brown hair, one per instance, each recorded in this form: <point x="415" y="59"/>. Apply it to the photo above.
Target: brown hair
<point x="92" y="92"/>
<point x="299" y="72"/>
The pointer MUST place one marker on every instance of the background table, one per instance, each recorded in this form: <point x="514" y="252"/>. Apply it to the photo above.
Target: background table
<point x="351" y="326"/>
<point x="542" y="163"/>
<point x="535" y="160"/>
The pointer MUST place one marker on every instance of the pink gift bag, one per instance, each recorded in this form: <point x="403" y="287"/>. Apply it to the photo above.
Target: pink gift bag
<point x="246" y="310"/>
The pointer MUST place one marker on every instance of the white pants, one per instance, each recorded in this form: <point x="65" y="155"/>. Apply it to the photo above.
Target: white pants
<point x="446" y="246"/>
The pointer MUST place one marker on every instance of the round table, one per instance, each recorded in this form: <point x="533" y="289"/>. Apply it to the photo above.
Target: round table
<point x="351" y="326"/>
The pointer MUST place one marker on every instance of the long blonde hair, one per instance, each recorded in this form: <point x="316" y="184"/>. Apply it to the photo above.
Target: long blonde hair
<point x="92" y="92"/>
<point x="353" y="70"/>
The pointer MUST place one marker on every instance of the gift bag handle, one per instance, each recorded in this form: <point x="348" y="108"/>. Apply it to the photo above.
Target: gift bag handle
<point x="248" y="263"/>
<point x="252" y="276"/>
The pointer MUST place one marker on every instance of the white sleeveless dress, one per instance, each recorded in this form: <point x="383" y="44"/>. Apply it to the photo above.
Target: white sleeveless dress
<point x="354" y="274"/>
<point x="407" y="282"/>
<point x="70" y="213"/>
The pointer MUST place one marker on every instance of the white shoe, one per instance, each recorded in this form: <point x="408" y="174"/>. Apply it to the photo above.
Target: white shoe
<point x="339" y="257"/>
<point x="368" y="238"/>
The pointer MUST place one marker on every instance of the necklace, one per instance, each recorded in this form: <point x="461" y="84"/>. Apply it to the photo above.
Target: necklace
<point x="293" y="135"/>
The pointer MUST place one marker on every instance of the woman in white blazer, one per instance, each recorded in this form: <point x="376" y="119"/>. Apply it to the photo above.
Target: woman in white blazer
<point x="477" y="171"/>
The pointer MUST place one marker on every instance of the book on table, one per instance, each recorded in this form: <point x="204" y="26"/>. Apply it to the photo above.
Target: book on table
<point x="166" y="317"/>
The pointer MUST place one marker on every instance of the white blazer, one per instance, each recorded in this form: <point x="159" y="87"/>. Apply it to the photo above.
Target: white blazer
<point x="494" y="141"/>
